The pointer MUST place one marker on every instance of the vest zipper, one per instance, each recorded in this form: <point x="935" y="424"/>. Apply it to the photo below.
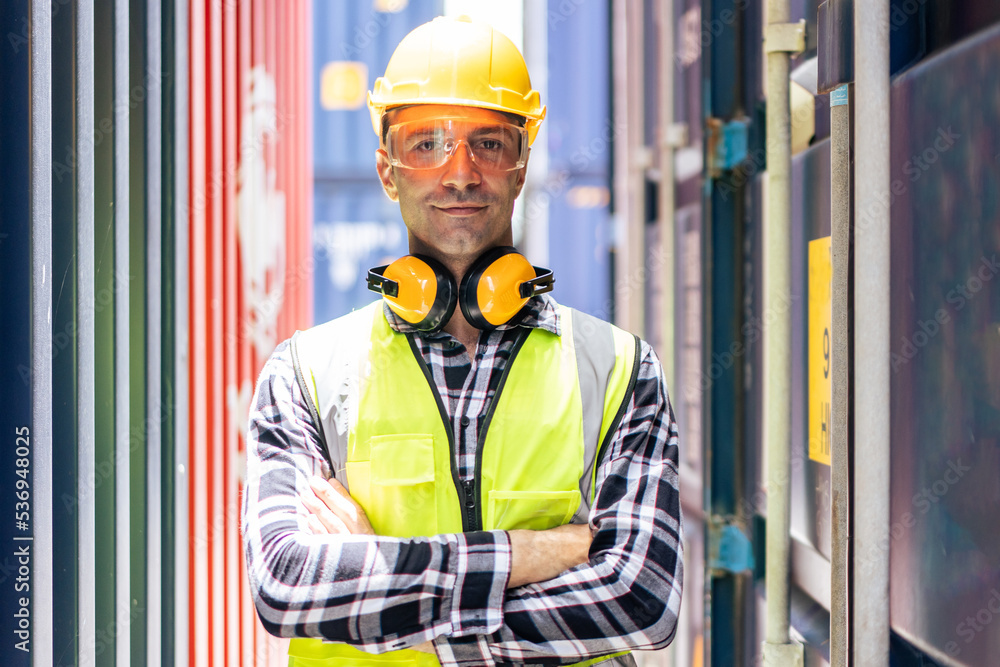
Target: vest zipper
<point x="471" y="512"/>
<point x="468" y="492"/>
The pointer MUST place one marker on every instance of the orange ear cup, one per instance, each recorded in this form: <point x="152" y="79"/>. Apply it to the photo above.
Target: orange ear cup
<point x="417" y="288"/>
<point x="498" y="284"/>
<point x="489" y="293"/>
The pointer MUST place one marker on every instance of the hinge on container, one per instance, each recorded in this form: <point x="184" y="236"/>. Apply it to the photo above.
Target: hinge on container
<point x="729" y="550"/>
<point x="785" y="37"/>
<point x="727" y="144"/>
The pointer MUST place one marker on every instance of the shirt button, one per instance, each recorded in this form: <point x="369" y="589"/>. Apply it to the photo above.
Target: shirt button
<point x="465" y="421"/>
<point x="479" y="356"/>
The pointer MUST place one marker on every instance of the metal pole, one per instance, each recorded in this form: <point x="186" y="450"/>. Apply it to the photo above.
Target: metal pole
<point x="176" y="644"/>
<point x="665" y="252"/>
<point x="840" y="223"/>
<point x="630" y="165"/>
<point x="40" y="543"/>
<point x="86" y="306"/>
<point x="122" y="524"/>
<point x="781" y="40"/>
<point x="154" y="328"/>
<point x="871" y="344"/>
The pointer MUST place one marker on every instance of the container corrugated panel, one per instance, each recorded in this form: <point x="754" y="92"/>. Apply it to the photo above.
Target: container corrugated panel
<point x="355" y="225"/>
<point x="943" y="542"/>
<point x="581" y="133"/>
<point x="249" y="281"/>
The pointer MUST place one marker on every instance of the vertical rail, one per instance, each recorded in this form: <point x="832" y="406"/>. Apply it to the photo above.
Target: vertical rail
<point x="215" y="304"/>
<point x="871" y="343"/>
<point x="246" y="369"/>
<point x="85" y="415"/>
<point x="214" y="630"/>
<point x="230" y="536"/>
<point x="141" y="429"/>
<point x="840" y="221"/>
<point x="777" y="335"/>
<point x="666" y="251"/>
<point x="120" y="86"/>
<point x="179" y="473"/>
<point x="155" y="407"/>
<point x="627" y="51"/>
<point x="728" y="623"/>
<point x="778" y="650"/>
<point x="40" y="37"/>
<point x="197" y="445"/>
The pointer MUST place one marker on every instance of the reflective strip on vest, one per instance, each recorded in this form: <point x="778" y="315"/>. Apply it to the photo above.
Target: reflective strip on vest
<point x="390" y="440"/>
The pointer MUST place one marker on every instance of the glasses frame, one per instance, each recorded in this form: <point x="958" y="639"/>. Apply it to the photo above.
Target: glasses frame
<point x="521" y="161"/>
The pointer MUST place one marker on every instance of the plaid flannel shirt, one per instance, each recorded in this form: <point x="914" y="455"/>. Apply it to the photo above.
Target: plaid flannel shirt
<point x="382" y="594"/>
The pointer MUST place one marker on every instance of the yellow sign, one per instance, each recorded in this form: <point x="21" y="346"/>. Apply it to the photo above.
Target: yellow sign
<point x="820" y="382"/>
<point x="343" y="84"/>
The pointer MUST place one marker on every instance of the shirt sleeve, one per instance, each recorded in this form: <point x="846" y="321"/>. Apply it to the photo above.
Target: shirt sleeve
<point x="376" y="593"/>
<point x="628" y="596"/>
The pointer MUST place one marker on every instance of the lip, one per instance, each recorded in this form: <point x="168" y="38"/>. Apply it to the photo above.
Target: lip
<point x="461" y="210"/>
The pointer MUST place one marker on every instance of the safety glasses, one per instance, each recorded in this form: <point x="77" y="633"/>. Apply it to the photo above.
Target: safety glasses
<point x="428" y="144"/>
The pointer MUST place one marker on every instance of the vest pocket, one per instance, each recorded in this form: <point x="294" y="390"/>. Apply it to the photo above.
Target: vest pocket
<point x="530" y="510"/>
<point x="402" y="498"/>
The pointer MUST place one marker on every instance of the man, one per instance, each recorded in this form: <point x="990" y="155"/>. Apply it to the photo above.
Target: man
<point x="495" y="483"/>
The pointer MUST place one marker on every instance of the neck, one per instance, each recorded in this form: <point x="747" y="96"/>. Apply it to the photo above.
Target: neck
<point x="457" y="326"/>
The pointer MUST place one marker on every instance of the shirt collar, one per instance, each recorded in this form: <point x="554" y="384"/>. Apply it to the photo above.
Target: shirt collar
<point x="541" y="312"/>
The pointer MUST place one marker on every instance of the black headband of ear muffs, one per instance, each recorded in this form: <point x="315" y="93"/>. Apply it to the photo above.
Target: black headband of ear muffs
<point x="407" y="295"/>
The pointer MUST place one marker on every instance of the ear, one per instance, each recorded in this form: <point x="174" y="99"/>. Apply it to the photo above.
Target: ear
<point x="384" y="168"/>
<point x="522" y="174"/>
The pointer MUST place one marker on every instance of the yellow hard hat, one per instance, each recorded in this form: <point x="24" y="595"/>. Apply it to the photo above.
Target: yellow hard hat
<point x="457" y="61"/>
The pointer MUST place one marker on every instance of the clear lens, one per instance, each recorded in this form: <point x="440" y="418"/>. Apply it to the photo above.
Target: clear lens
<point x="423" y="144"/>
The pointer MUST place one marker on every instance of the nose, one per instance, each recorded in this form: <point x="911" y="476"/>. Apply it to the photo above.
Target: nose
<point x="461" y="171"/>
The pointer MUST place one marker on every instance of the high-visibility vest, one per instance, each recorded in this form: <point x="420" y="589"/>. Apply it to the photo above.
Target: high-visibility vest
<point x="557" y="405"/>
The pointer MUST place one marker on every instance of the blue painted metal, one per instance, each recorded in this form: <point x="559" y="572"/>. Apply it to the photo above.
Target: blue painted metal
<point x="15" y="334"/>
<point x="355" y="226"/>
<point x="730" y="549"/>
<point x="730" y="636"/>
<point x="839" y="96"/>
<point x="581" y="136"/>
<point x="728" y="141"/>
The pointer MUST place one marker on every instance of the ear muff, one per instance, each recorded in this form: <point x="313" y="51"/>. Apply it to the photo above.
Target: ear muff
<point x="498" y="284"/>
<point x="417" y="288"/>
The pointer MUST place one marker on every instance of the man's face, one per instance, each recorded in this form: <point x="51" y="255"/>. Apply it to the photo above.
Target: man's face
<point x="457" y="210"/>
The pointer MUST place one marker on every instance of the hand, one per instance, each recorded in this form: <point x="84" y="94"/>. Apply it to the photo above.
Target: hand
<point x="333" y="511"/>
<point x="545" y="554"/>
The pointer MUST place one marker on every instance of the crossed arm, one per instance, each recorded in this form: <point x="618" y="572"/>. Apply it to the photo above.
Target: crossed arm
<point x="534" y="555"/>
<point x="517" y="596"/>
